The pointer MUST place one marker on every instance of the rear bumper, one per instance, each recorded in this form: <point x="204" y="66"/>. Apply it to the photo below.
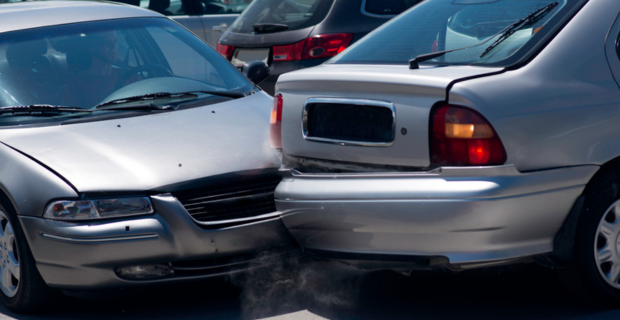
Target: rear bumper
<point x="469" y="216"/>
<point x="78" y="256"/>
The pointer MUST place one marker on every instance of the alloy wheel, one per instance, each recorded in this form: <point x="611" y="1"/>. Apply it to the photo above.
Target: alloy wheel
<point x="9" y="259"/>
<point x="607" y="245"/>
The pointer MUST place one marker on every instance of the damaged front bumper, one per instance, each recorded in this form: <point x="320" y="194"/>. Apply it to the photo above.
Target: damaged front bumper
<point x="459" y="217"/>
<point x="87" y="255"/>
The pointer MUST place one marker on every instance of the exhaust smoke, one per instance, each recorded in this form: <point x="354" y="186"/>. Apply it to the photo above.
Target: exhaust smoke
<point x="288" y="283"/>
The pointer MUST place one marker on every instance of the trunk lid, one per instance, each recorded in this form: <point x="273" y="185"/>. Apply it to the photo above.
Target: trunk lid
<point x="411" y="94"/>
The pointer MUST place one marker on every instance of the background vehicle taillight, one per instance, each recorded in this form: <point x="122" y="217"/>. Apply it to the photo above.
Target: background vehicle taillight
<point x="226" y="51"/>
<point x="462" y="137"/>
<point x="319" y="46"/>
<point x="275" y="124"/>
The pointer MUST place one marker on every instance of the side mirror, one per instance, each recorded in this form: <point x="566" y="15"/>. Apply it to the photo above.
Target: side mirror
<point x="256" y="70"/>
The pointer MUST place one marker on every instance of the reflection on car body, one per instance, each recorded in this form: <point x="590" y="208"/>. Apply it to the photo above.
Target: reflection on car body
<point x="132" y="154"/>
<point x="208" y="19"/>
<point x="495" y="153"/>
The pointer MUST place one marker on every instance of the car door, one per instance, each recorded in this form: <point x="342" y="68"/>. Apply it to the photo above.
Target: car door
<point x="206" y="18"/>
<point x="217" y="15"/>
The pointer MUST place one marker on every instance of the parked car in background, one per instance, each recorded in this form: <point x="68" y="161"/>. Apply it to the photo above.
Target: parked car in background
<point x="459" y="135"/>
<point x="132" y="154"/>
<point x="208" y="19"/>
<point x="295" y="34"/>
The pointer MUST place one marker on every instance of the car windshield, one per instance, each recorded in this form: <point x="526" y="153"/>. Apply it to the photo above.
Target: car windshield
<point x="83" y="65"/>
<point x="438" y="25"/>
<point x="294" y="14"/>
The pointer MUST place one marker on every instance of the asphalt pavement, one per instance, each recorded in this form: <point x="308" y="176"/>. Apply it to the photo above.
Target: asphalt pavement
<point x="291" y="289"/>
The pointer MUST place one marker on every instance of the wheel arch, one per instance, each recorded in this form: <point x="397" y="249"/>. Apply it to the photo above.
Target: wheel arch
<point x="564" y="240"/>
<point x="27" y="185"/>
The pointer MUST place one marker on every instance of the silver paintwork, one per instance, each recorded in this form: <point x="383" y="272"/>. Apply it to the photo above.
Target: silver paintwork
<point x="466" y="218"/>
<point x="26" y="15"/>
<point x="155" y="156"/>
<point x="557" y="117"/>
<point x="609" y="254"/>
<point x="360" y="102"/>
<point x="411" y="91"/>
<point x="144" y="154"/>
<point x="71" y="265"/>
<point x="9" y="261"/>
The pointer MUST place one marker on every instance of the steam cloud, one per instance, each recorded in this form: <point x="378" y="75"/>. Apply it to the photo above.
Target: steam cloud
<point x="292" y="282"/>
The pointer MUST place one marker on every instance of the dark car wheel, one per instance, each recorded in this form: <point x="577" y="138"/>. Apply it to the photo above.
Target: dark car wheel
<point x="594" y="273"/>
<point x="21" y="287"/>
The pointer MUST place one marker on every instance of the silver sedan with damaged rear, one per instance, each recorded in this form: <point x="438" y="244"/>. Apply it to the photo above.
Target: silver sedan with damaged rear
<point x="463" y="134"/>
<point x="132" y="153"/>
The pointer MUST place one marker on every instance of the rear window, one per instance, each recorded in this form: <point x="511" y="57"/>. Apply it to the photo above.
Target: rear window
<point x="470" y="26"/>
<point x="293" y="14"/>
<point x="387" y="7"/>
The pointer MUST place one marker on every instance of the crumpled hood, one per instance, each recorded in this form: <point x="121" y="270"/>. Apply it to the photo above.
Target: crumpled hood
<point x="148" y="152"/>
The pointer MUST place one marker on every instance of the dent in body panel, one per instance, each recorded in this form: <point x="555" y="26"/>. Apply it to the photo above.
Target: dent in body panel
<point x="561" y="109"/>
<point x="28" y="184"/>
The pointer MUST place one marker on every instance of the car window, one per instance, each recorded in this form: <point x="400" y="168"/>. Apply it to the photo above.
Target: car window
<point x="81" y="65"/>
<point x="295" y="14"/>
<point x="183" y="60"/>
<point x="165" y="7"/>
<point x="438" y="25"/>
<point x="387" y="7"/>
<point x="223" y="6"/>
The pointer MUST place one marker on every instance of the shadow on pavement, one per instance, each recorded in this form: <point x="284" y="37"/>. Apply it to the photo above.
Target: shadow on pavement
<point x="335" y="291"/>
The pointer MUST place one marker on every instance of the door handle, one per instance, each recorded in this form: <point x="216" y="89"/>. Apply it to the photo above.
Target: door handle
<point x="222" y="27"/>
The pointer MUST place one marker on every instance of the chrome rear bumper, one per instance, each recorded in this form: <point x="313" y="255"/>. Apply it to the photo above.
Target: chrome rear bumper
<point x="469" y="216"/>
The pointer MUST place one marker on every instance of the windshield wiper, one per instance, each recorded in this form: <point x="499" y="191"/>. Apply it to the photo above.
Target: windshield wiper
<point x="528" y="20"/>
<point x="269" y="27"/>
<point x="504" y="33"/>
<point x="40" y="109"/>
<point x="157" y="95"/>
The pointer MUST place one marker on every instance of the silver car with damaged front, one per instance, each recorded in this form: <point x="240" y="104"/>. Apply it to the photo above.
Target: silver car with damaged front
<point x="462" y="134"/>
<point x="132" y="153"/>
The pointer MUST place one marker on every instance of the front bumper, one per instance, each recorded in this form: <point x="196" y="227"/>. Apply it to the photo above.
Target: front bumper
<point x="463" y="216"/>
<point x="84" y="255"/>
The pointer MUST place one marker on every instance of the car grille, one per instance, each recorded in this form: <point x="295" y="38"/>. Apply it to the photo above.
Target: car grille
<point x="219" y="204"/>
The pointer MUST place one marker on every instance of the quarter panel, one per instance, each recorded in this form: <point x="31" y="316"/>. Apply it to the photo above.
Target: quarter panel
<point x="562" y="108"/>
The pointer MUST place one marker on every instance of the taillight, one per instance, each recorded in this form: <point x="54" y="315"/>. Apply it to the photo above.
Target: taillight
<point x="319" y="46"/>
<point x="226" y="51"/>
<point x="275" y="123"/>
<point x="462" y="137"/>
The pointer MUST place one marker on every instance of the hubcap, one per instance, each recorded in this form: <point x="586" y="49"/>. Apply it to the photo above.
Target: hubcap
<point x="9" y="262"/>
<point x="607" y="245"/>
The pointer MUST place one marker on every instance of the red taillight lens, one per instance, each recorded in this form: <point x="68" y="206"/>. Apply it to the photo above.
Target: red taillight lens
<point x="288" y="52"/>
<point x="275" y="124"/>
<point x="462" y="137"/>
<point x="324" y="46"/>
<point x="226" y="51"/>
<point x="320" y="46"/>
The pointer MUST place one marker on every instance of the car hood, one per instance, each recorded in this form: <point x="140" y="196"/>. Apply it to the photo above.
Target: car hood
<point x="153" y="151"/>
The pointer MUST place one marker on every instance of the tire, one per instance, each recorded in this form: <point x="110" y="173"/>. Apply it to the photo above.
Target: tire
<point x="593" y="275"/>
<point x="22" y="288"/>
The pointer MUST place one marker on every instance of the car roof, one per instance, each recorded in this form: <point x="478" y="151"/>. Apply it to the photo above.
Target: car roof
<point x="34" y="14"/>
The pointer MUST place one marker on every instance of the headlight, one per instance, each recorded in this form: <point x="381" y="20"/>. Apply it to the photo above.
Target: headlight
<point x="98" y="208"/>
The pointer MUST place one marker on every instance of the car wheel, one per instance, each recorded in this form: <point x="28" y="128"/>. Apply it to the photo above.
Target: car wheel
<point x="593" y="275"/>
<point x="22" y="288"/>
